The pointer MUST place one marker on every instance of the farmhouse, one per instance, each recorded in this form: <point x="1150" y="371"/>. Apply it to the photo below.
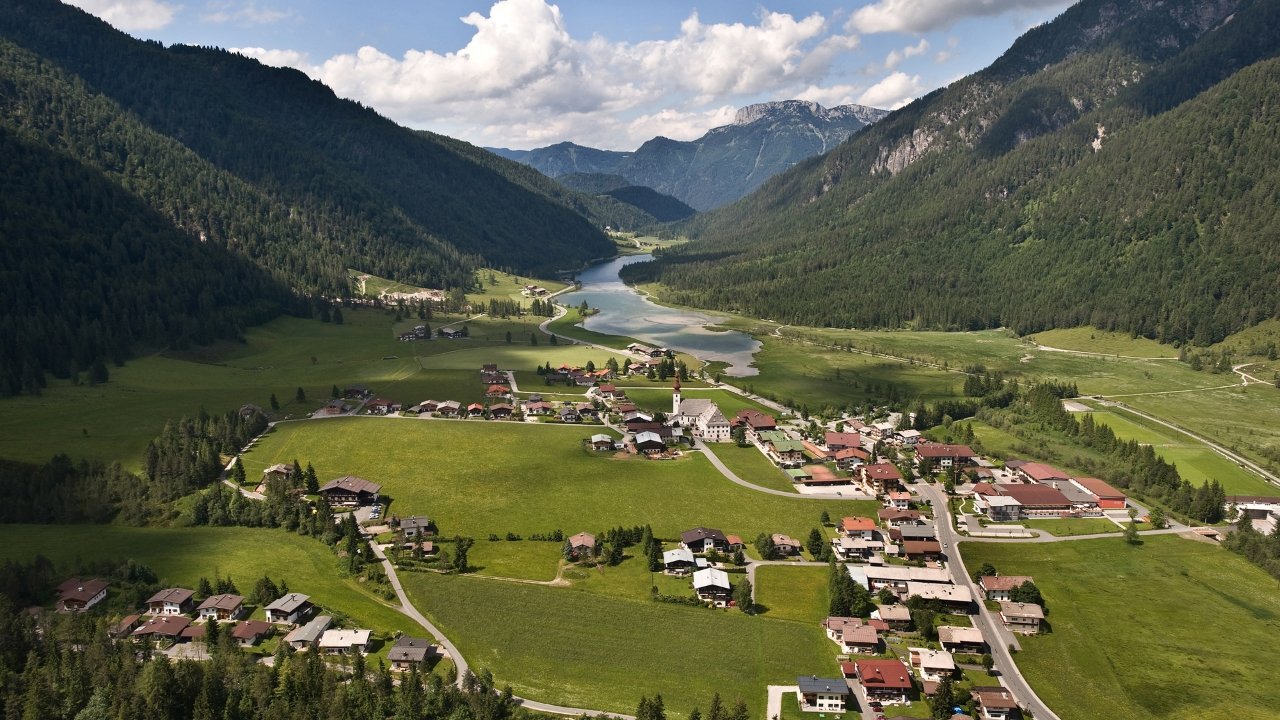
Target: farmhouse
<point x="1109" y="498"/>
<point x="1022" y="617"/>
<point x="884" y="680"/>
<point x="701" y="540"/>
<point x="678" y="561"/>
<point x="449" y="408"/>
<point x="817" y="694"/>
<point x="221" y="607"/>
<point x="279" y="471"/>
<point x="171" y="601"/>
<point x="76" y="595"/>
<point x="290" y="609"/>
<point x="408" y="652"/>
<point x="475" y="410"/>
<point x="998" y="587"/>
<point x="582" y="545"/>
<point x="945" y="456"/>
<point x="755" y="422"/>
<point x="414" y="526"/>
<point x="648" y="442"/>
<point x="304" y="637"/>
<point x="881" y="477"/>
<point x="713" y="586"/>
<point x="351" y="491"/>
<point x="601" y="442"/>
<point x="961" y="639"/>
<point x="251" y="632"/>
<point x="382" y="406"/>
<point x="340" y="642"/>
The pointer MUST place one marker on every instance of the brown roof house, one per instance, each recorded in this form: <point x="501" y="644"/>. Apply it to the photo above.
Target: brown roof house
<point x="408" y="652"/>
<point x="998" y="587"/>
<point x="221" y="607"/>
<point x="76" y="595"/>
<point x="171" y="601"/>
<point x="351" y="491"/>
<point x="1022" y="617"/>
<point x="251" y="632"/>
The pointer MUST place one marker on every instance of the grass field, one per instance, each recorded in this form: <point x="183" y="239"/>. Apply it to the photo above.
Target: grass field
<point x="751" y="465"/>
<point x="1170" y="630"/>
<point x="475" y="478"/>
<point x="181" y="556"/>
<point x="1196" y="462"/>
<point x="590" y="650"/>
<point x="1087" y="339"/>
<point x="1066" y="527"/>
<point x="793" y="593"/>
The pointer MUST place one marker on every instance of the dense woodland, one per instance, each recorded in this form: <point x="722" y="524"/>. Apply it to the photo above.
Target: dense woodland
<point x="1008" y="216"/>
<point x="146" y="187"/>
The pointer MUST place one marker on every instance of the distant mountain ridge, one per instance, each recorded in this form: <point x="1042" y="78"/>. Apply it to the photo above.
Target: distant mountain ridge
<point x="1115" y="167"/>
<point x="723" y="165"/>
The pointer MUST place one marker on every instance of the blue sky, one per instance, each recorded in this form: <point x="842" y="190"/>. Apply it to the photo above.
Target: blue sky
<point x="527" y="73"/>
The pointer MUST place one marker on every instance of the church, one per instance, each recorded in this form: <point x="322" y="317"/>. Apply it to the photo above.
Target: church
<point x="700" y="415"/>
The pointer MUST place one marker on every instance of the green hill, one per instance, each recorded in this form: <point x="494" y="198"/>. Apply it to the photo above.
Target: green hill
<point x="1116" y="167"/>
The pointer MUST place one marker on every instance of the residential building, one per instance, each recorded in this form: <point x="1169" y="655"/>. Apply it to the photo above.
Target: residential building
<point x="817" y="694"/>
<point x="784" y="544"/>
<point x="408" y="652"/>
<point x="961" y="639"/>
<point x="163" y="627"/>
<point x="713" y="586"/>
<point x="76" y="595"/>
<point x="852" y="635"/>
<point x="351" y="491"/>
<point x="881" y="477"/>
<point x="945" y="456"/>
<point x="856" y="548"/>
<point x="417" y="526"/>
<point x="896" y="577"/>
<point x="894" y="517"/>
<point x="837" y="441"/>
<point x="221" y="607"/>
<point x="909" y="437"/>
<point x="994" y="703"/>
<point x="899" y="500"/>
<point x="850" y="459"/>
<point x="862" y="527"/>
<point x="602" y="443"/>
<point x="921" y="531"/>
<point x="290" y="609"/>
<point x="678" y="561"/>
<point x="932" y="665"/>
<point x="304" y="637"/>
<point x="998" y="587"/>
<point x="887" y="681"/>
<point x="171" y="601"/>
<point x="955" y="596"/>
<point x="701" y="540"/>
<point x="921" y="549"/>
<point x="897" y="617"/>
<point x="1022" y="617"/>
<point x="582" y="545"/>
<point x="279" y="471"/>
<point x="251" y="632"/>
<point x="339" y="642"/>
<point x="648" y="442"/>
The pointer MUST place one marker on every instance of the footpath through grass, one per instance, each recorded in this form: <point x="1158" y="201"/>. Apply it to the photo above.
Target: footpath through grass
<point x="588" y="650"/>
<point x="476" y="478"/>
<point x="1173" y="629"/>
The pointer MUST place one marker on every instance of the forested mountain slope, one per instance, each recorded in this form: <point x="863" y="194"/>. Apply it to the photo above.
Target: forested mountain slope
<point x="220" y="160"/>
<point x="662" y="208"/>
<point x="1119" y="166"/>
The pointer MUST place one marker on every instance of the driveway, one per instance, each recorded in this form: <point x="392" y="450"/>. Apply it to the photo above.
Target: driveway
<point x="773" y="710"/>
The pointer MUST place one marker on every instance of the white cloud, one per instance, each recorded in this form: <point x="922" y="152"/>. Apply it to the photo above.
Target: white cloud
<point x="278" y="58"/>
<point x="892" y="92"/>
<point x="897" y="56"/>
<point x="917" y="16"/>
<point x="130" y="15"/>
<point x="831" y="96"/>
<point x="246" y="13"/>
<point x="522" y="79"/>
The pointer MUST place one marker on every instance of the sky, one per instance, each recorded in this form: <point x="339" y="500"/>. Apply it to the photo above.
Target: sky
<point x="603" y="73"/>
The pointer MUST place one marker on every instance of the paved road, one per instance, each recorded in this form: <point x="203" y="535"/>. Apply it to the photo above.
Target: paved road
<point x="990" y="626"/>
<point x="701" y="447"/>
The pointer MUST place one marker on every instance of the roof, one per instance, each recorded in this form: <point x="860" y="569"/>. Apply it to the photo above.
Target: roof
<point x="81" y="590"/>
<point x="1002" y="582"/>
<point x="702" y="533"/>
<point x="171" y="595"/>
<point x="351" y="483"/>
<point x="857" y="524"/>
<point x="921" y="547"/>
<point x="344" y="638"/>
<point x="221" y="602"/>
<point x="780" y="539"/>
<point x="934" y="659"/>
<point x="166" y="625"/>
<point x="677" y="555"/>
<point x="733" y="539"/>
<point x="582" y="539"/>
<point x="250" y="629"/>
<point x="415" y="522"/>
<point x="409" y="649"/>
<point x="815" y="684"/>
<point x="894" y="514"/>
<point x="787" y="445"/>
<point x="994" y="698"/>
<point x="931" y="450"/>
<point x="601" y="437"/>
<point x="1023" y="610"/>
<point x="882" y="471"/>
<point x="844" y="439"/>
<point x="837" y="623"/>
<point x="648" y="436"/>
<point x="954" y="634"/>
<point x="903" y="573"/>
<point x="711" y="577"/>
<point x="847" y="453"/>
<point x="884" y="674"/>
<point x="279" y="468"/>
<point x="859" y="635"/>
<point x="1103" y="490"/>
<point x="895" y="612"/>
<point x="289" y="603"/>
<point x="310" y="632"/>
<point x="1041" y="471"/>
<point x="1033" y="494"/>
<point x="936" y="591"/>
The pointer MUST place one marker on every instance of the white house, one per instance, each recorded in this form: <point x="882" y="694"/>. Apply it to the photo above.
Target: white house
<point x="336" y="642"/>
<point x="713" y="586"/>
<point x="817" y="694"/>
<point x="933" y="665"/>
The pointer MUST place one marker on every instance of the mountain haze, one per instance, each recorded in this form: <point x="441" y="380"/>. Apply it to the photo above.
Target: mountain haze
<point x="724" y="164"/>
<point x="1115" y="167"/>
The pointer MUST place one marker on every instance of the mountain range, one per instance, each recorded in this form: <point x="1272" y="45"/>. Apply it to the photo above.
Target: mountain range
<point x="1118" y="166"/>
<point x="723" y="165"/>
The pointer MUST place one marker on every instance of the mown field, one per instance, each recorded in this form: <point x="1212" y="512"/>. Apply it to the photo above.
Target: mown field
<point x="476" y="478"/>
<point x="794" y="593"/>
<point x="751" y="465"/>
<point x="592" y="650"/>
<point x="1171" y="630"/>
<point x="181" y="556"/>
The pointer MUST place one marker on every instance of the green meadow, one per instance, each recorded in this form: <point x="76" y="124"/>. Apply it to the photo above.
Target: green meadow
<point x="793" y="593"/>
<point x="476" y="477"/>
<point x="1173" y="629"/>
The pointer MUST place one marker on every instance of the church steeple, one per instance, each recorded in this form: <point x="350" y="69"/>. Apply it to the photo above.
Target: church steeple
<point x="675" y="397"/>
